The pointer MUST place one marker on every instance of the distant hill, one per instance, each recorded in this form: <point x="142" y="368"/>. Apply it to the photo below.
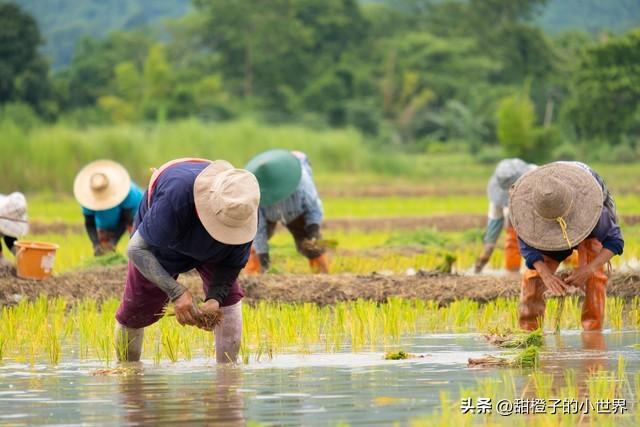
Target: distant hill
<point x="590" y="15"/>
<point x="63" y="22"/>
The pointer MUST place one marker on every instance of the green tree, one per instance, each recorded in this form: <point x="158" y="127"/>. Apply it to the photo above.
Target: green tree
<point x="606" y="89"/>
<point x="516" y="125"/>
<point x="23" y="71"/>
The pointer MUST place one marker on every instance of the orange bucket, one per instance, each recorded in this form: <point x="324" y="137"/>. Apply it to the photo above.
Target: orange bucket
<point x="34" y="260"/>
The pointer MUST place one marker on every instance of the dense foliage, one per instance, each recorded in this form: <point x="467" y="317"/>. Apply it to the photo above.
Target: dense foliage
<point x="421" y="74"/>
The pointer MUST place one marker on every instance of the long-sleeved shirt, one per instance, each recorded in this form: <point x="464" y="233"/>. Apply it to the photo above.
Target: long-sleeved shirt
<point x="170" y="226"/>
<point x="607" y="230"/>
<point x="304" y="201"/>
<point x="495" y="222"/>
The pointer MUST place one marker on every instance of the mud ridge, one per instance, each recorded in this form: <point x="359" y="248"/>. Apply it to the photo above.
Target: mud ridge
<point x="108" y="282"/>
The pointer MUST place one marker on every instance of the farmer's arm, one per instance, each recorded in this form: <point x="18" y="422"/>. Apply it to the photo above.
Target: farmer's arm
<point x="146" y="262"/>
<point x="312" y="207"/>
<point x="92" y="231"/>
<point x="261" y="241"/>
<point x="224" y="275"/>
<point x="10" y="242"/>
<point x="140" y="254"/>
<point x="608" y="232"/>
<point x="535" y="261"/>
<point x="495" y="223"/>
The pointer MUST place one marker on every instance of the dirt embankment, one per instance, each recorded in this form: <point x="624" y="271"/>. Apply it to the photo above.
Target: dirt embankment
<point x="455" y="222"/>
<point x="101" y="283"/>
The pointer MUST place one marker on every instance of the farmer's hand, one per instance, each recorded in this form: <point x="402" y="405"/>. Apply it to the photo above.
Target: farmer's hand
<point x="554" y="284"/>
<point x="98" y="250"/>
<point x="186" y="311"/>
<point x="580" y="276"/>
<point x="483" y="259"/>
<point x="211" y="306"/>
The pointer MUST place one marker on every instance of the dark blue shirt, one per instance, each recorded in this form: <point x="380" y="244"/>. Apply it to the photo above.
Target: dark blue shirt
<point x="170" y="225"/>
<point x="607" y="231"/>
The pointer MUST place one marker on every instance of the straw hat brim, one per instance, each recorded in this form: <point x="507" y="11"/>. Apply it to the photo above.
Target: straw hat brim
<point x="119" y="185"/>
<point x="583" y="215"/>
<point x="205" y="207"/>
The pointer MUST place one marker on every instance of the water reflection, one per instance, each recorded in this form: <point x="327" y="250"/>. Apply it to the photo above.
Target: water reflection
<point x="211" y="398"/>
<point x="358" y="388"/>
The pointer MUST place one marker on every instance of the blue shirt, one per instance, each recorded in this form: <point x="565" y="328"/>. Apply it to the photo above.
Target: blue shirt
<point x="607" y="230"/>
<point x="304" y="201"/>
<point x="109" y="219"/>
<point x="170" y="225"/>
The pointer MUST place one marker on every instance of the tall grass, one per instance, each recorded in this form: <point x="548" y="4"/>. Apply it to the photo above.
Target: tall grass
<point x="48" y="158"/>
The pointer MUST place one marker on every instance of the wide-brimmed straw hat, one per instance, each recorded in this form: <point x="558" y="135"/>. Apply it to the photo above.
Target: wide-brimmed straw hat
<point x="227" y="201"/>
<point x="278" y="172"/>
<point x="101" y="185"/>
<point x="556" y="206"/>
<point x="506" y="174"/>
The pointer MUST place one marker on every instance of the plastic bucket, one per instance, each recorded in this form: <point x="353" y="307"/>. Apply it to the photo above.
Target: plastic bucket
<point x="34" y="260"/>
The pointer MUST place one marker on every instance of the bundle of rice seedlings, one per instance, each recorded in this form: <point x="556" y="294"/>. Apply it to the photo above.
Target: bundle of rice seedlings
<point x="207" y="321"/>
<point x="527" y="358"/>
<point x="516" y="340"/>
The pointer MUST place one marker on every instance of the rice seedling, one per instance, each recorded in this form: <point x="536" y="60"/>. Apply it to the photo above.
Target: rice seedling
<point x="508" y="339"/>
<point x="53" y="346"/>
<point x="614" y="310"/>
<point x="33" y="331"/>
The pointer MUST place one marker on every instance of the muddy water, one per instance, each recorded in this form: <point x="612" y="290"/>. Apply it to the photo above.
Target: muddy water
<point x="317" y="389"/>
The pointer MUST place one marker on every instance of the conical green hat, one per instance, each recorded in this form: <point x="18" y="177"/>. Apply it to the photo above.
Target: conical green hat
<point x="278" y="173"/>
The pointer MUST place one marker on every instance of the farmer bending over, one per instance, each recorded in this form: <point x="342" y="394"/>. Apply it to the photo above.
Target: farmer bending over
<point x="554" y="209"/>
<point x="506" y="174"/>
<point x="289" y="196"/>
<point x="109" y="202"/>
<point x="196" y="214"/>
<point x="13" y="222"/>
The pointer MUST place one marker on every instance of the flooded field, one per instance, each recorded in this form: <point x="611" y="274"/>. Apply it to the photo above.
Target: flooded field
<point x="341" y="388"/>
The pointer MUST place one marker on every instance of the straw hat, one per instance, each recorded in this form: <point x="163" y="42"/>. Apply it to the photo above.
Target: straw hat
<point x="227" y="202"/>
<point x="101" y="185"/>
<point x="506" y="174"/>
<point x="556" y="206"/>
<point x="278" y="172"/>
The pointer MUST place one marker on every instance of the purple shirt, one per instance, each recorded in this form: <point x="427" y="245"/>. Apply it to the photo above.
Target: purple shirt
<point x="170" y="225"/>
<point x="607" y="231"/>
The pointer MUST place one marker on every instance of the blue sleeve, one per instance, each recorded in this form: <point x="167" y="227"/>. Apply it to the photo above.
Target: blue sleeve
<point x="530" y="254"/>
<point x="492" y="233"/>
<point x="608" y="232"/>
<point x="311" y="202"/>
<point x="164" y="223"/>
<point x="260" y="243"/>
<point x="86" y="211"/>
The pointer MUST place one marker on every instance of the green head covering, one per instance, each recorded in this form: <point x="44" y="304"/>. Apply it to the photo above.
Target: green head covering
<point x="278" y="173"/>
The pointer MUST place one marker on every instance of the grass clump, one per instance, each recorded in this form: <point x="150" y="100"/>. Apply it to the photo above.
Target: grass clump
<point x="112" y="258"/>
<point x="398" y="355"/>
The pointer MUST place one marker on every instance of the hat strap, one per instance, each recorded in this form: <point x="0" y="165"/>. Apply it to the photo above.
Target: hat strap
<point x="563" y="226"/>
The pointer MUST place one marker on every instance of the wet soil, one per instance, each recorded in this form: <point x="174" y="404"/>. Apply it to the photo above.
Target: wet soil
<point x="107" y="282"/>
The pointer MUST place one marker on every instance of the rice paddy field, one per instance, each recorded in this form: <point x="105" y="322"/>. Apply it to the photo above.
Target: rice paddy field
<point x="406" y="361"/>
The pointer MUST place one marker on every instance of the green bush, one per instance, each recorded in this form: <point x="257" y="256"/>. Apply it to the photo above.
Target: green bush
<point x="20" y="115"/>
